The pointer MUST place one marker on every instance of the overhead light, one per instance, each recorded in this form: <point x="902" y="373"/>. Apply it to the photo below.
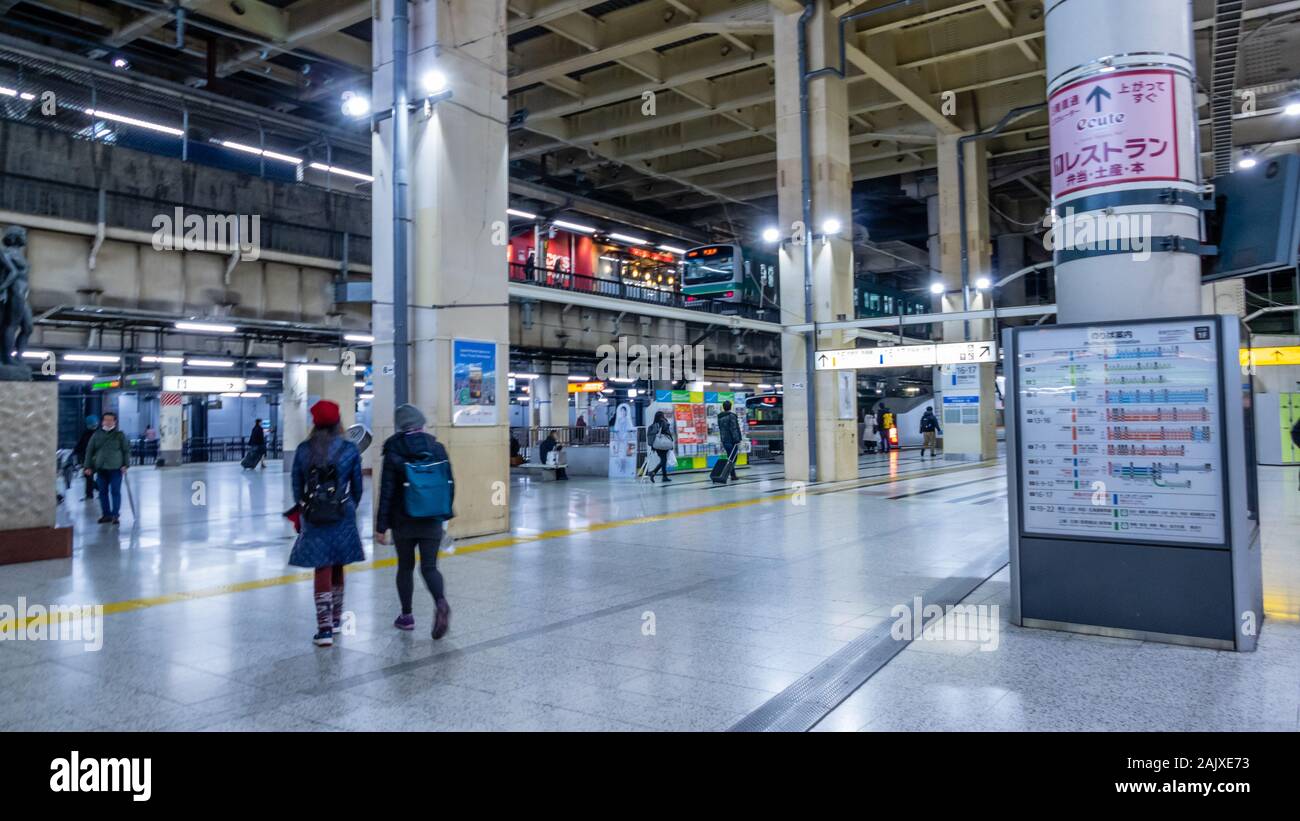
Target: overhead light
<point x="573" y="226"/>
<point x="579" y="378"/>
<point x="366" y="396"/>
<point x="778" y="386"/>
<point x="121" y="62"/>
<point x="765" y="387"/>
<point x="1247" y="161"/>
<point x="77" y="377"/>
<point x="261" y="152"/>
<point x="670" y="249"/>
<point x="936" y="288"/>
<point x="121" y="118"/>
<point x="231" y="394"/>
<point x="515" y="212"/>
<point x="210" y="363"/>
<point x="358" y="338"/>
<point x="831" y="226"/>
<point x="1292" y="110"/>
<point x="343" y="172"/>
<point x="627" y="239"/>
<point x="523" y="399"/>
<point x="623" y="381"/>
<point x="355" y="105"/>
<point x="435" y="81"/>
<point x="632" y="393"/>
<point x="163" y="360"/>
<point x="771" y="235"/>
<point x="206" y="328"/>
<point x="316" y="366"/>
<point x="527" y="375"/>
<point x="255" y="381"/>
<point x="983" y="283"/>
<point x="91" y="357"/>
<point x="37" y="354"/>
<point x="270" y="364"/>
<point x="250" y="395"/>
<point x="359" y="384"/>
<point x="735" y="384"/>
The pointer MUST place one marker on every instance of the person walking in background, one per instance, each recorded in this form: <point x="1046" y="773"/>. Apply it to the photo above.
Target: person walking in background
<point x="581" y="433"/>
<point x="883" y="417"/>
<point x="930" y="431"/>
<point x="327" y="487"/>
<point x="398" y="501"/>
<point x="729" y="433"/>
<point x="79" y="453"/>
<point x="659" y="437"/>
<point x="257" y="443"/>
<point x="107" y="456"/>
<point x="150" y="442"/>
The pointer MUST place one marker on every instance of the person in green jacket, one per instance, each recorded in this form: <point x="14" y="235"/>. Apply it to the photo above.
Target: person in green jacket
<point x="107" y="458"/>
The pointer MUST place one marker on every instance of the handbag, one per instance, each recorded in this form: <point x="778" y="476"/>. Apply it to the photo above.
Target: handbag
<point x="672" y="459"/>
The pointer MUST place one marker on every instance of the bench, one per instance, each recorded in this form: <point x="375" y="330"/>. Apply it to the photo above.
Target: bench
<point x="545" y="473"/>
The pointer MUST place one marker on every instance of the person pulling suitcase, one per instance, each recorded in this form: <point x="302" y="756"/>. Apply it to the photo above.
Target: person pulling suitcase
<point x="729" y="432"/>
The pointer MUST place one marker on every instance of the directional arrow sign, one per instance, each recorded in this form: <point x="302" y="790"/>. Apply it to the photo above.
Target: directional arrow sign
<point x="908" y="356"/>
<point x="1095" y="97"/>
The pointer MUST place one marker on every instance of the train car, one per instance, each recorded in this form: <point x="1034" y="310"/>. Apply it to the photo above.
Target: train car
<point x="874" y="300"/>
<point x="717" y="276"/>
<point x="765" y="421"/>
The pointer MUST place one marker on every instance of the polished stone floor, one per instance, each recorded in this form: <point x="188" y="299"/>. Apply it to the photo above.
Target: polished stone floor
<point x="611" y="606"/>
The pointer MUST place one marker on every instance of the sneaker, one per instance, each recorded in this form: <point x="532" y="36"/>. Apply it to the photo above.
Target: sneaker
<point x="406" y="621"/>
<point x="441" y="619"/>
<point x="105" y="519"/>
<point x="667" y="480"/>
<point x="117" y="520"/>
<point x="324" y="638"/>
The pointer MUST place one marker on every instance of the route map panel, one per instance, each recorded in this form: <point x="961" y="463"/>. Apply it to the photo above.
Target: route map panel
<point x="1120" y="432"/>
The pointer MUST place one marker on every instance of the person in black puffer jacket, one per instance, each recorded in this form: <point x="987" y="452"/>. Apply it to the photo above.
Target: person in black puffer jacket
<point x="411" y="443"/>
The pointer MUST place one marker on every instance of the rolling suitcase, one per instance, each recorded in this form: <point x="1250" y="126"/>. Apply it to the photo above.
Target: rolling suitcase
<point x="722" y="468"/>
<point x="250" y="460"/>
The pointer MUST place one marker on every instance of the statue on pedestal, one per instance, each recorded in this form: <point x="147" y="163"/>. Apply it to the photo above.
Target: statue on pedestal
<point x="15" y="312"/>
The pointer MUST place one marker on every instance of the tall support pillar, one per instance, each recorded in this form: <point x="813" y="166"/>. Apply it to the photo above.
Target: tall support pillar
<point x="1147" y="42"/>
<point x="305" y="384"/>
<point x="552" y="396"/>
<point x="831" y="274"/>
<point x="960" y="389"/>
<point x="171" y="415"/>
<point x="456" y="284"/>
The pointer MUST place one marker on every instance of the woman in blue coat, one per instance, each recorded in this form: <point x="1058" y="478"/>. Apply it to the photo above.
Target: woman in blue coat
<point x="327" y="488"/>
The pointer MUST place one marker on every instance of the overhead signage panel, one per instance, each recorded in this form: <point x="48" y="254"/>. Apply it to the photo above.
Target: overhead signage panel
<point x="908" y="356"/>
<point x="204" y="384"/>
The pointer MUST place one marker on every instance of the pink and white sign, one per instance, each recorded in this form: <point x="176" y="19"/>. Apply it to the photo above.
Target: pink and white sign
<point x="1115" y="128"/>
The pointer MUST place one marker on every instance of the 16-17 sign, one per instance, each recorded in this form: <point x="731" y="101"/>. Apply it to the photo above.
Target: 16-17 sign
<point x="907" y="356"/>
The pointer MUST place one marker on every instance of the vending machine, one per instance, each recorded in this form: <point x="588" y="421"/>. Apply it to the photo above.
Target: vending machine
<point x="1130" y="462"/>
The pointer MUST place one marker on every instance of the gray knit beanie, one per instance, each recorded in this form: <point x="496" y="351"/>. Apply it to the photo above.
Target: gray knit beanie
<point x="408" y="417"/>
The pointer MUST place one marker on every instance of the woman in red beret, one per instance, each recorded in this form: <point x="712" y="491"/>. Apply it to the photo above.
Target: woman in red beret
<point x="327" y="486"/>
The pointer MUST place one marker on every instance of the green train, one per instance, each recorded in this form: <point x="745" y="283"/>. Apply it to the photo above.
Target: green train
<point x="729" y="274"/>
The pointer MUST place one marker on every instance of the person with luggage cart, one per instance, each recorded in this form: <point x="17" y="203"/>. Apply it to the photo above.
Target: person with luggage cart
<point x="729" y="433"/>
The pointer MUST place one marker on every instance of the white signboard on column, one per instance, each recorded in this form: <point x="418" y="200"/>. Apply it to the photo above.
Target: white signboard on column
<point x="1115" y="128"/>
<point x="907" y="356"/>
<point x="1120" y="432"/>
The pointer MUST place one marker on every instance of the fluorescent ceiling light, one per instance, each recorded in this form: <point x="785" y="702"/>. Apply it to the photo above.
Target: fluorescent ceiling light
<point x="735" y="384"/>
<point x="515" y="212"/>
<point x="672" y="250"/>
<point x="121" y="118"/>
<point x="765" y="387"/>
<point x="206" y="327"/>
<point x="164" y="360"/>
<point x="359" y="384"/>
<point x="37" y="354"/>
<point x="623" y="381"/>
<point x="579" y="378"/>
<point x="316" y="366"/>
<point x="77" y="377"/>
<point x="256" y="381"/>
<point x="210" y="363"/>
<point x="90" y="357"/>
<point x="342" y="172"/>
<point x="527" y="375"/>
<point x="250" y="395"/>
<point x="270" y="155"/>
<point x="366" y="396"/>
<point x="573" y="226"/>
<point x="358" y="337"/>
<point x="270" y="364"/>
<point x="232" y="394"/>
<point x="626" y="238"/>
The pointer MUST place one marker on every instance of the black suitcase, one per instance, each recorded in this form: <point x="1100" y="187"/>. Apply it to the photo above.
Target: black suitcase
<point x="722" y="468"/>
<point x="250" y="460"/>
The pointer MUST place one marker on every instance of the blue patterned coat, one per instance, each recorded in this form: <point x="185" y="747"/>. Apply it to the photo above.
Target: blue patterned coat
<point x="339" y="543"/>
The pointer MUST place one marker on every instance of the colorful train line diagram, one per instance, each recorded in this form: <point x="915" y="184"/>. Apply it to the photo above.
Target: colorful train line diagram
<point x="1161" y="397"/>
<point x="1198" y="433"/>
<point x="1157" y="473"/>
<point x="1158" y="415"/>
<point x="1146" y="450"/>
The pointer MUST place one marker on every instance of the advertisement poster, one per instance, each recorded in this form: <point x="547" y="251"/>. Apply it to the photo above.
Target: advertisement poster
<point x="1120" y="430"/>
<point x="622" y="444"/>
<point x="692" y="424"/>
<point x="474" y="382"/>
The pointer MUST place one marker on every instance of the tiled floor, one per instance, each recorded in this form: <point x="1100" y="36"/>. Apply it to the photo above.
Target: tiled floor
<point x="685" y="622"/>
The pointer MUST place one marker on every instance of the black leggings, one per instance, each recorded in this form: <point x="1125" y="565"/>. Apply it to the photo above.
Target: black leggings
<point x="428" y="568"/>
<point x="662" y="467"/>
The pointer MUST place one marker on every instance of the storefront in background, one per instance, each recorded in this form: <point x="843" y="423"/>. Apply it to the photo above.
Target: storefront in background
<point x="638" y="266"/>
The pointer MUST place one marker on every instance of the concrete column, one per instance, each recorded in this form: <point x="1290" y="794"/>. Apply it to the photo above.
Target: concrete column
<point x="171" y="414"/>
<point x="832" y="267"/>
<point x="1087" y="41"/>
<point x="963" y="437"/>
<point x="456" y="279"/>
<point x="552" y="396"/>
<point x="304" y="386"/>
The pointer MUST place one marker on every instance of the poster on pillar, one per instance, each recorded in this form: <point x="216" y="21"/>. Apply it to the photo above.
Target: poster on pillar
<point x="474" y="382"/>
<point x="1114" y="128"/>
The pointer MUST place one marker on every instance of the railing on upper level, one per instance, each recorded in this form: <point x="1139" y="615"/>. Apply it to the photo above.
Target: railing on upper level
<point x="619" y="289"/>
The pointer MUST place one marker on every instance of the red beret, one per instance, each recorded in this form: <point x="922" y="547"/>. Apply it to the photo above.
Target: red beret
<point x="325" y="414"/>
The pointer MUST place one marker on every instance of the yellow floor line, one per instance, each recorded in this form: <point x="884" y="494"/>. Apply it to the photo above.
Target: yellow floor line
<point x="21" y="623"/>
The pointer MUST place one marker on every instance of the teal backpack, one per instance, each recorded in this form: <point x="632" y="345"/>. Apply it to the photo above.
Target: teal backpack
<point x="427" y="490"/>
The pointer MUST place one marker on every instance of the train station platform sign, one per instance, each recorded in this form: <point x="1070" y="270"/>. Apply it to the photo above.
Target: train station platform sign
<point x="908" y="356"/>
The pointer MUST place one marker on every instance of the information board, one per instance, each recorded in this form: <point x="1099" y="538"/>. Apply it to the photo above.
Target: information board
<point x="1120" y="432"/>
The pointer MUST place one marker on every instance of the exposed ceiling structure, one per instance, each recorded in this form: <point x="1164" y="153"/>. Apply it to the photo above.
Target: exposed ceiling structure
<point x="579" y="69"/>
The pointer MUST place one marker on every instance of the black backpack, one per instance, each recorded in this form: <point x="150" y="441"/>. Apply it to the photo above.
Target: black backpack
<point x="323" y="502"/>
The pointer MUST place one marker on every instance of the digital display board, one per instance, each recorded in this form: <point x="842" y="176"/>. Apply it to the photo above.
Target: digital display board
<point x="1121" y="432"/>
